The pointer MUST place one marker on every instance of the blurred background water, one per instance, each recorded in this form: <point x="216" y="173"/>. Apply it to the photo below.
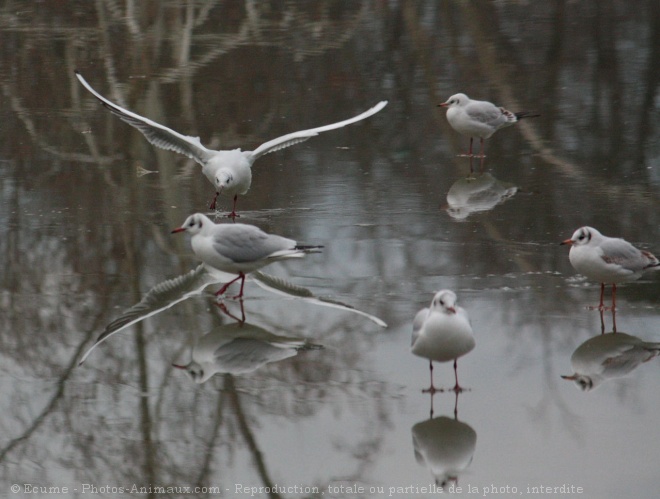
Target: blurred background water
<point x="87" y="236"/>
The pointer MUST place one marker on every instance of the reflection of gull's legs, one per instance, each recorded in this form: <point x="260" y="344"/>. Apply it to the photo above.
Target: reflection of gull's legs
<point x="223" y="307"/>
<point x="432" y="405"/>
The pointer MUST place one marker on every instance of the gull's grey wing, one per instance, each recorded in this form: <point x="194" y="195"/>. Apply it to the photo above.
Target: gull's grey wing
<point x="418" y="322"/>
<point x="247" y="243"/>
<point x="301" y="136"/>
<point x="625" y="362"/>
<point x="485" y="112"/>
<point x="158" y="298"/>
<point x="156" y="134"/>
<point x="243" y="355"/>
<point x="621" y="252"/>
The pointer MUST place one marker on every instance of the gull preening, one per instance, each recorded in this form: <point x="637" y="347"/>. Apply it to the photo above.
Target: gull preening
<point x="478" y="118"/>
<point x="238" y="248"/>
<point x="229" y="171"/>
<point x="608" y="260"/>
<point x="442" y="333"/>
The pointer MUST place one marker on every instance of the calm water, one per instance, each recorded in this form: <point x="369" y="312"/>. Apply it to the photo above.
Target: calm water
<point x="86" y="237"/>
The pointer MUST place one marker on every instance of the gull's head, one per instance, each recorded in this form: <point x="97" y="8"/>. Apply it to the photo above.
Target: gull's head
<point x="582" y="381"/>
<point x="223" y="180"/>
<point x="193" y="224"/>
<point x="194" y="370"/>
<point x="444" y="301"/>
<point x="456" y="100"/>
<point x="582" y="236"/>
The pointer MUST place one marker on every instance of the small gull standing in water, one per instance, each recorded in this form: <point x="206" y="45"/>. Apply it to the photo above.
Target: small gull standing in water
<point x="478" y="118"/>
<point x="238" y="248"/>
<point x="607" y="259"/>
<point x="442" y="333"/>
<point x="229" y="171"/>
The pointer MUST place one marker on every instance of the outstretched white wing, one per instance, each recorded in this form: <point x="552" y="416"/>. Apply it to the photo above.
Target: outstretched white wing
<point x="156" y="134"/>
<point x="297" y="137"/>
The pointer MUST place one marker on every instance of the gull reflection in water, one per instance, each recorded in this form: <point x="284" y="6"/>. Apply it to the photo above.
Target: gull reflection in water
<point x="239" y="348"/>
<point x="607" y="356"/>
<point x="445" y="446"/>
<point x="476" y="194"/>
<point x="168" y="293"/>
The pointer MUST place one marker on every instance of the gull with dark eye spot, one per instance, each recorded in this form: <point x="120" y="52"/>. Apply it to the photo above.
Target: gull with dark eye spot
<point x="478" y="118"/>
<point x="229" y="171"/>
<point x="610" y="260"/>
<point x="238" y="248"/>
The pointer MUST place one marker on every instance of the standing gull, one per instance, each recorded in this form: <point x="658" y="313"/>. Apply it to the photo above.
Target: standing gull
<point x="479" y="118"/>
<point x="442" y="333"/>
<point x="238" y="248"/>
<point x="607" y="259"/>
<point x="229" y="171"/>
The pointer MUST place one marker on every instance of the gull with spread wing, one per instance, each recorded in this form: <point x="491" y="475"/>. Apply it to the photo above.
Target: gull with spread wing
<point x="229" y="171"/>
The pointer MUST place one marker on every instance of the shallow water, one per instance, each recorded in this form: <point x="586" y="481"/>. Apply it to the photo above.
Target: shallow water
<point x="87" y="236"/>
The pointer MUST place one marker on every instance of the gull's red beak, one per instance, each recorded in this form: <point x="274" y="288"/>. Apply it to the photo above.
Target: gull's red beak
<point x="180" y="229"/>
<point x="570" y="378"/>
<point x="178" y="366"/>
<point x="451" y="309"/>
<point x="568" y="241"/>
<point x="444" y="104"/>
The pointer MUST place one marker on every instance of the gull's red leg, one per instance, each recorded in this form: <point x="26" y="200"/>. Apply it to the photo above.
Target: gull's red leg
<point x="241" y="276"/>
<point x="457" y="387"/>
<point x="224" y="287"/>
<point x="212" y="205"/>
<point x="432" y="389"/>
<point x="233" y="213"/>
